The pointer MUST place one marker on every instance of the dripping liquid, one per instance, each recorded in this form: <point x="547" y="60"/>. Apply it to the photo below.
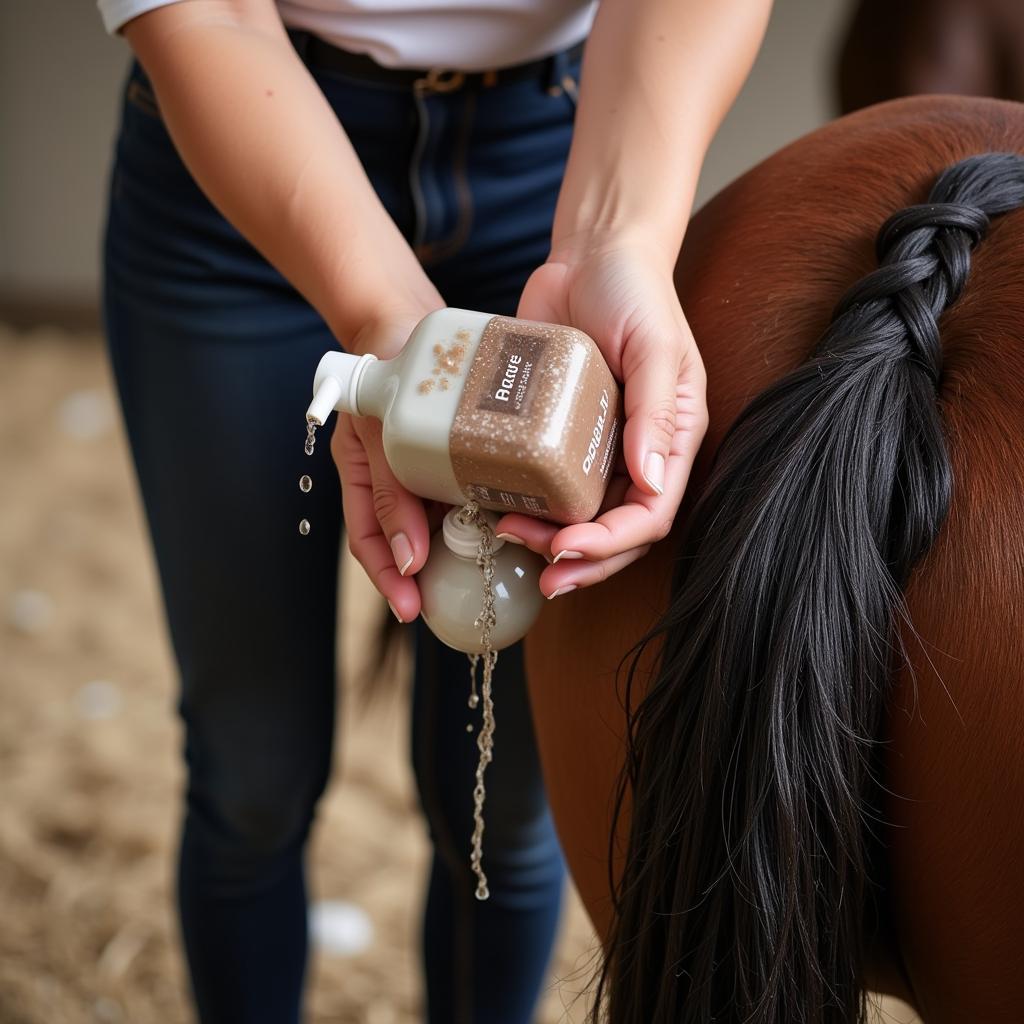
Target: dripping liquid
<point x="305" y="481"/>
<point x="485" y="622"/>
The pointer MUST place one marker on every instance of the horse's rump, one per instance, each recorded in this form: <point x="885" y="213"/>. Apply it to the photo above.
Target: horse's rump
<point x="762" y="267"/>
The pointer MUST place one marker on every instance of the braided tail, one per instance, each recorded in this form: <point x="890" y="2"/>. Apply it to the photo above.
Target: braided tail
<point x="752" y="758"/>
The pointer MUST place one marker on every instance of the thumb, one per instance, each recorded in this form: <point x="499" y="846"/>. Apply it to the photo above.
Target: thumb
<point x="650" y="370"/>
<point x="543" y="295"/>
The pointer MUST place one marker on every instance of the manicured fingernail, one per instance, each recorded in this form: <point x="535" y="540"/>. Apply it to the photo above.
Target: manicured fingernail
<point x="561" y="590"/>
<point x="567" y="554"/>
<point x="394" y="611"/>
<point x="511" y="538"/>
<point x="654" y="471"/>
<point x="402" y="551"/>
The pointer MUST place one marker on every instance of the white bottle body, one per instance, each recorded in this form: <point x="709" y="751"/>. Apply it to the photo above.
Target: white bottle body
<point x="416" y="396"/>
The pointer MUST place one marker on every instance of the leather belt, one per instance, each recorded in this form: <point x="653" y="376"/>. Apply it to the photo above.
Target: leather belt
<point x="317" y="53"/>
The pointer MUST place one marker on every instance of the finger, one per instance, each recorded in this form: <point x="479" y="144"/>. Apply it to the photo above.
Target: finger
<point x="537" y="534"/>
<point x="370" y="548"/>
<point x="400" y="513"/>
<point x="639" y="520"/>
<point x="366" y="540"/>
<point x="563" y="578"/>
<point x="616" y="493"/>
<point x="651" y="371"/>
<point x="534" y="533"/>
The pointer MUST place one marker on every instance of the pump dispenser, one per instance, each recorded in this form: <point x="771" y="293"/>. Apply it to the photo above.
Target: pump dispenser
<point x="516" y="415"/>
<point x="450" y="586"/>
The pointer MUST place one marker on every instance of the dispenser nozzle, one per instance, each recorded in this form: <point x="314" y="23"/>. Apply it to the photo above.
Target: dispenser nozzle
<point x="325" y="400"/>
<point x="335" y="385"/>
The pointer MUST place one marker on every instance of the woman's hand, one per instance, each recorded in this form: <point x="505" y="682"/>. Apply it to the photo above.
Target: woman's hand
<point x="658" y="77"/>
<point x="387" y="526"/>
<point x="619" y="290"/>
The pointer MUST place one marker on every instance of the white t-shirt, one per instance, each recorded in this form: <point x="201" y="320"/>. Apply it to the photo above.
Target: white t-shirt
<point x="463" y="35"/>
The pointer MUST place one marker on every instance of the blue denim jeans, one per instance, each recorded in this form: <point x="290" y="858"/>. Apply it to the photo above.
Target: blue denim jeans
<point x="213" y="354"/>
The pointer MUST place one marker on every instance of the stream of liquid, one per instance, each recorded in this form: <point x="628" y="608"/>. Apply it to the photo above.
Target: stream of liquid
<point x="485" y="622"/>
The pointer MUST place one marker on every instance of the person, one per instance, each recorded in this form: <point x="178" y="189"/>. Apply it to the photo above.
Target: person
<point x="297" y="175"/>
<point x="778" y="781"/>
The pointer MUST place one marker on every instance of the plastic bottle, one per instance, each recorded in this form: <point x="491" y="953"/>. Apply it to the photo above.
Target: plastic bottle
<point x="451" y="587"/>
<point x="516" y="415"/>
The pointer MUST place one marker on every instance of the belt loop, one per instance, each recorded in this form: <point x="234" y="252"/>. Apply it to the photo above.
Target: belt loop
<point x="557" y="68"/>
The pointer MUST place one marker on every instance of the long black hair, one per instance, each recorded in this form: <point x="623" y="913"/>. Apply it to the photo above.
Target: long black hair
<point x="751" y="774"/>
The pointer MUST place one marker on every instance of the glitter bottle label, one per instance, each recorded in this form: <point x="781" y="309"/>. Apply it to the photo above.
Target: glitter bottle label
<point x="514" y="381"/>
<point x="538" y="422"/>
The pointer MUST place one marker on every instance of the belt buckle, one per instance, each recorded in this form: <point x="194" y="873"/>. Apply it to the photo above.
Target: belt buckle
<point x="440" y="80"/>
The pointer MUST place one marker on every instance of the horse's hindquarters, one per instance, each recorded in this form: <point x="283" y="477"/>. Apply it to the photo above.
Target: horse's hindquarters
<point x="762" y="266"/>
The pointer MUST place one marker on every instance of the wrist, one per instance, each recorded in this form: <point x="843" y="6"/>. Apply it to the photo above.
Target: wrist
<point x="654" y="248"/>
<point x="385" y="329"/>
<point x="615" y="218"/>
<point x="375" y="312"/>
<point x="642" y="190"/>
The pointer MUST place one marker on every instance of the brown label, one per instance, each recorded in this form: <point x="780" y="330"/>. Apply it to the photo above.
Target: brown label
<point x="548" y="447"/>
<point x="512" y="386"/>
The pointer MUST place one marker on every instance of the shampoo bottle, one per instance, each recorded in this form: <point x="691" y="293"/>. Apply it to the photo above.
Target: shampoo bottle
<point x="516" y="415"/>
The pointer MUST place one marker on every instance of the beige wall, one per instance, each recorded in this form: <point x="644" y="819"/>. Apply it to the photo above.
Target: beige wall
<point x="789" y="91"/>
<point x="58" y="79"/>
<point x="59" y="76"/>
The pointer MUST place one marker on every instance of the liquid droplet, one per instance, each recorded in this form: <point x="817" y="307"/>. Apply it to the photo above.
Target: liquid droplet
<point x="303" y="526"/>
<point x="474" y="700"/>
<point x="469" y="727"/>
<point x="310" y="436"/>
<point x="482" y="892"/>
<point x="305" y="484"/>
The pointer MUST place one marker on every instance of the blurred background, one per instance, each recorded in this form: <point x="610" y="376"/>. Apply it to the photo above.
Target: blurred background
<point x="89" y="742"/>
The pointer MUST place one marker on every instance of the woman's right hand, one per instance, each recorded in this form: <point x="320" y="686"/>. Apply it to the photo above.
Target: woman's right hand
<point x="387" y="526"/>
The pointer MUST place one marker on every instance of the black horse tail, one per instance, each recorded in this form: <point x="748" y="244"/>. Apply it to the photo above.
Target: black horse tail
<point x="752" y="762"/>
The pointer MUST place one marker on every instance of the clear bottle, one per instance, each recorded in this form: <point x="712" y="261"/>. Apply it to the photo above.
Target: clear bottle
<point x="452" y="589"/>
<point x="516" y="415"/>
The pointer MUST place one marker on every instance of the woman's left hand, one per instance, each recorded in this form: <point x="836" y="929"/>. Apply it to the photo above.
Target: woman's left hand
<point x="619" y="290"/>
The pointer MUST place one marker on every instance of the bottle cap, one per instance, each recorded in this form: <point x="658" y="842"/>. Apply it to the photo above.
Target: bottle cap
<point x="336" y="384"/>
<point x="463" y="538"/>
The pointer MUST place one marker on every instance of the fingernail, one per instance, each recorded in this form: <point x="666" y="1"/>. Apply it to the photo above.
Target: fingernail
<point x="511" y="538"/>
<point x="654" y="471"/>
<point x="567" y="554"/>
<point x="561" y="590"/>
<point x="402" y="551"/>
<point x="394" y="611"/>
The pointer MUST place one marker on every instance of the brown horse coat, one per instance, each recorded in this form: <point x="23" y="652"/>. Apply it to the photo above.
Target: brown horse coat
<point x="761" y="268"/>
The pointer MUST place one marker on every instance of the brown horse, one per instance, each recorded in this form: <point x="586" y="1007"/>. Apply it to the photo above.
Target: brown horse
<point x="762" y="267"/>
